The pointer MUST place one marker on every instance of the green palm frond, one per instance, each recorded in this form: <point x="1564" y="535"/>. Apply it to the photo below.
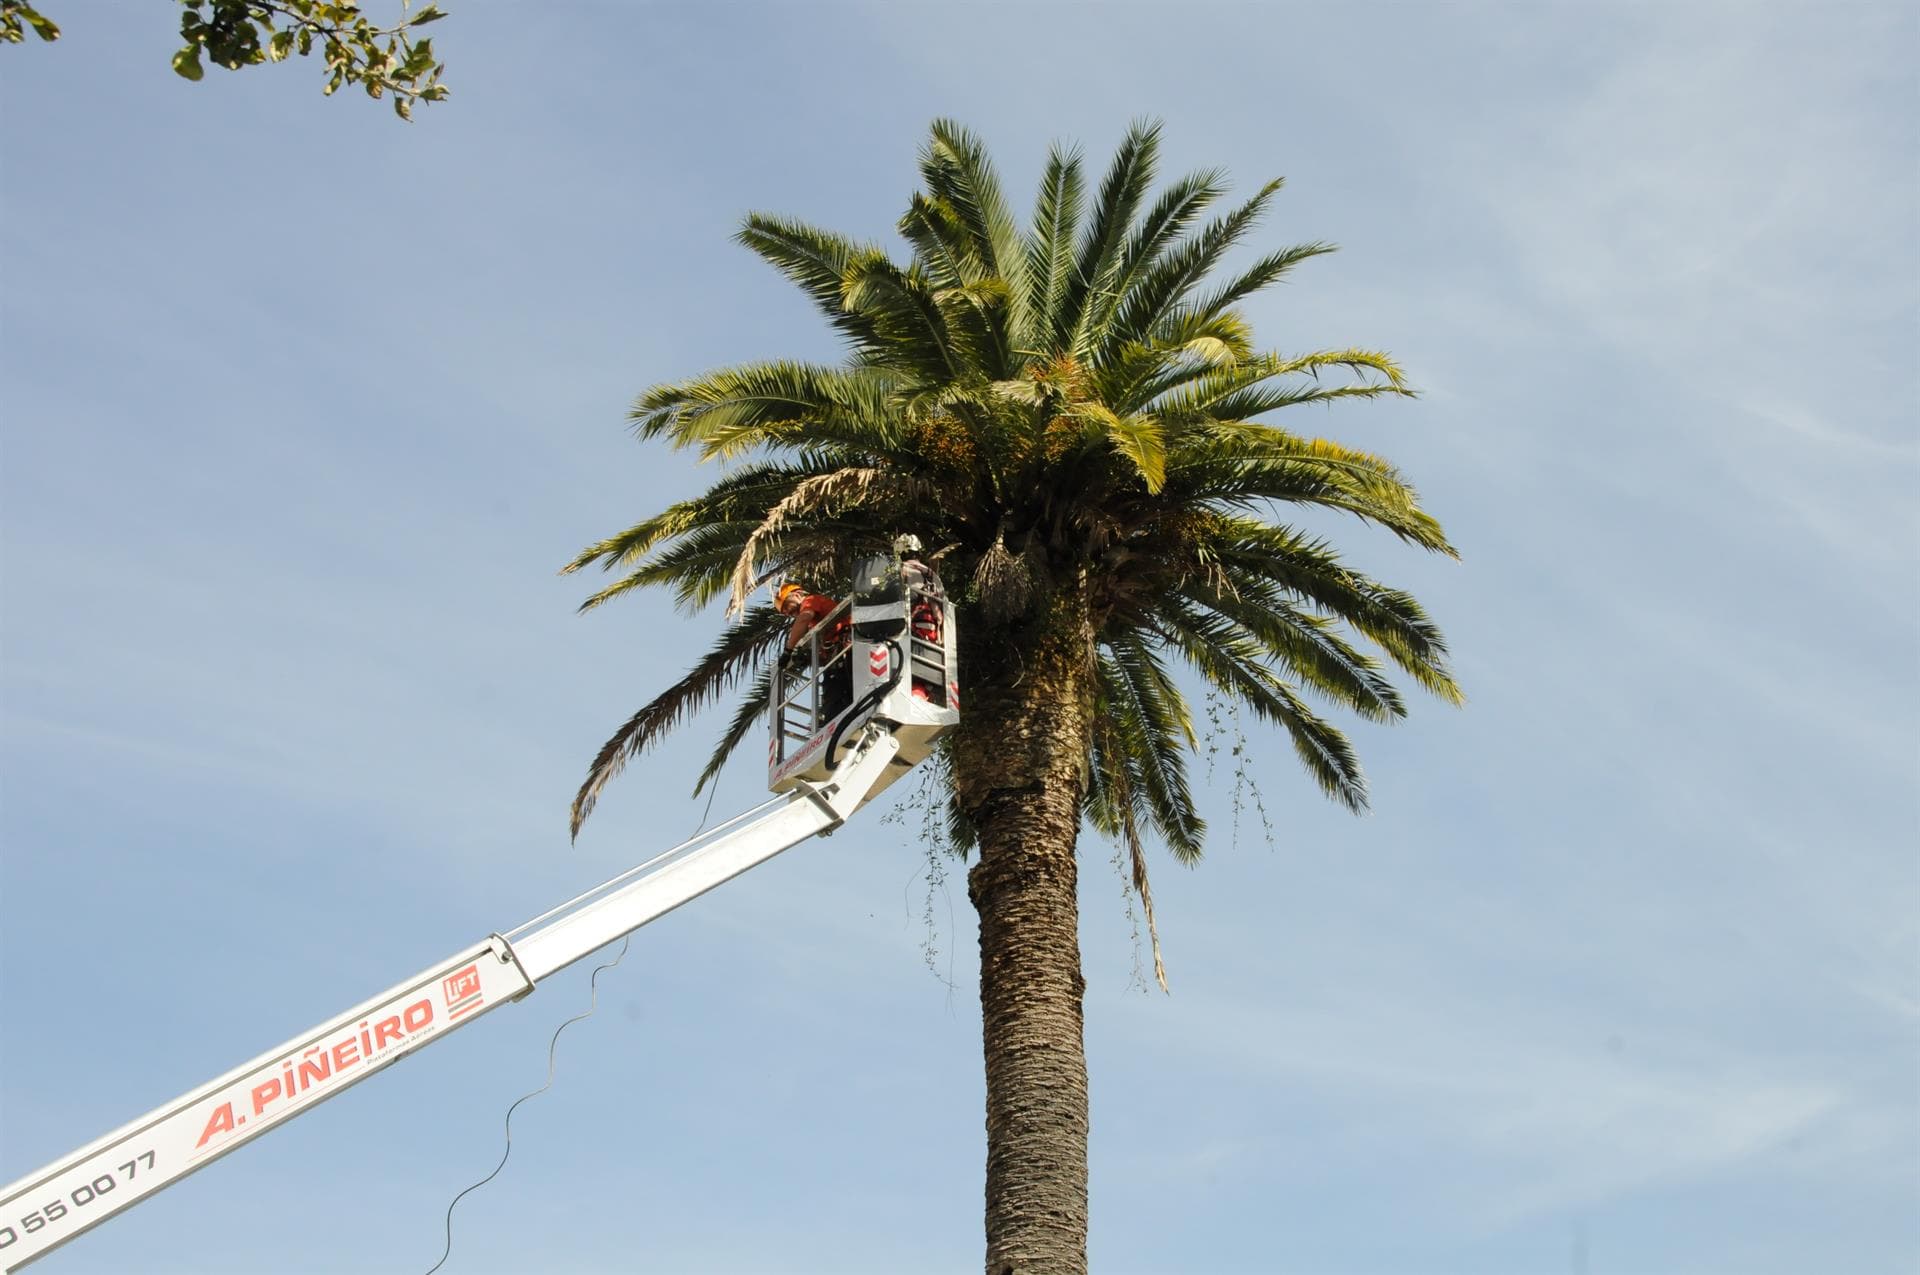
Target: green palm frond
<point x="1308" y="646"/>
<point x="1172" y="275"/>
<point x="1103" y="246"/>
<point x="1050" y="247"/>
<point x="1160" y="228"/>
<point x="1135" y="375"/>
<point x="957" y="171"/>
<point x="940" y="243"/>
<point x="740" y="649"/>
<point x="1392" y="619"/>
<point x="1138" y="438"/>
<point x="750" y="712"/>
<point x="1325" y="751"/>
<point x="1152" y="713"/>
<point x="731" y="410"/>
<point x="697" y="565"/>
<point x="1220" y="654"/>
<point x="1228" y="472"/>
<point x="1232" y="392"/>
<point x="815" y="259"/>
<point x="740" y="496"/>
<point x="1264" y="273"/>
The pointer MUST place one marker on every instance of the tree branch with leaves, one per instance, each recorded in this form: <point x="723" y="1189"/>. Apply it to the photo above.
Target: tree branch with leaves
<point x="391" y="62"/>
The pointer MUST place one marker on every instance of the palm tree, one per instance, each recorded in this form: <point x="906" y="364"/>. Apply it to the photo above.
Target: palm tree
<point x="1073" y="422"/>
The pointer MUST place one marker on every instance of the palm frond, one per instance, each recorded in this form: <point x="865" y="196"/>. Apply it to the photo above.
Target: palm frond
<point x="746" y="493"/>
<point x="909" y="329"/>
<point x="1233" y="392"/>
<point x="1264" y="273"/>
<point x="1138" y="438"/>
<point x="1056" y="219"/>
<point x="1120" y="742"/>
<point x="1112" y="807"/>
<point x="731" y="410"/>
<point x="1170" y="277"/>
<point x="696" y="565"/>
<point x="1154" y="715"/>
<point x="1164" y="223"/>
<point x="752" y="708"/>
<point x="1222" y="655"/>
<point x="865" y="489"/>
<point x="1391" y="618"/>
<point x="1309" y="646"/>
<point x="1098" y="261"/>
<point x="1136" y="374"/>
<point x="939" y="242"/>
<point x="739" y="649"/>
<point x="1223" y="473"/>
<point x="815" y="259"/>
<point x="957" y="170"/>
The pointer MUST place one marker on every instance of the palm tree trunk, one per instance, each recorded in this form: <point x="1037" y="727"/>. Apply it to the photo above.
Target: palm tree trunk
<point x="1019" y="774"/>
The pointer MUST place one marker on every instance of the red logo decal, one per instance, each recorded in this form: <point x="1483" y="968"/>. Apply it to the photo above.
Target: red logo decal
<point x="877" y="661"/>
<point x="462" y="991"/>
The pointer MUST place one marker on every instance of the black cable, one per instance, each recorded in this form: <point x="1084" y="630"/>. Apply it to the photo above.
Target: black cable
<point x="553" y="1045"/>
<point x="867" y="701"/>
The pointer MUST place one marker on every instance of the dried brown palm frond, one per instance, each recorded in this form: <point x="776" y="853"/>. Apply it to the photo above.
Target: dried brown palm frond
<point x="843" y="489"/>
<point x="1119" y="800"/>
<point x="1002" y="582"/>
<point x="1138" y="854"/>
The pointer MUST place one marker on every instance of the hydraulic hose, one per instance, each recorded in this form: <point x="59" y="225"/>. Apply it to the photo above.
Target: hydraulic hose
<point x="866" y="701"/>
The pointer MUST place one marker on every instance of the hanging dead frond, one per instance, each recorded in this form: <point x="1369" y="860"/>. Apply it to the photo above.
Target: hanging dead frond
<point x="1138" y="854"/>
<point x="1112" y="759"/>
<point x="827" y="493"/>
<point x="1002" y="583"/>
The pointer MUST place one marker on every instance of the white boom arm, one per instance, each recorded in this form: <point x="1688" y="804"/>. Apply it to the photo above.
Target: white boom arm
<point x="44" y="1210"/>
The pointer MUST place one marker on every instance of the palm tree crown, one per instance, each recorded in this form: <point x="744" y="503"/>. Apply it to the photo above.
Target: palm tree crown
<point x="1065" y="404"/>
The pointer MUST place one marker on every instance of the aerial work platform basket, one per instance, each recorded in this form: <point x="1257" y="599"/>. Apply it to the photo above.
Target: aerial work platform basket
<point x="887" y="653"/>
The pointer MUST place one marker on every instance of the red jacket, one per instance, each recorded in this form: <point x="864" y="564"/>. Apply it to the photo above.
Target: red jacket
<point x="814" y="608"/>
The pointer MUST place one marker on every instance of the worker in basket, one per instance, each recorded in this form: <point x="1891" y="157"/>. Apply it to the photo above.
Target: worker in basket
<point x="807" y="610"/>
<point x="928" y="605"/>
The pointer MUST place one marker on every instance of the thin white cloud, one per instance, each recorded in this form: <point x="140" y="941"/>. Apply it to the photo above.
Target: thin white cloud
<point x="1534" y="1124"/>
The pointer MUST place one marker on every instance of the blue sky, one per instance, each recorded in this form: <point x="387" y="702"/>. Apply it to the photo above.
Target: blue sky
<point x="303" y="408"/>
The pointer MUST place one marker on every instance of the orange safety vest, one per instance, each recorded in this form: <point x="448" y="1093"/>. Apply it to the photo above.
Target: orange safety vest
<point x="819" y="606"/>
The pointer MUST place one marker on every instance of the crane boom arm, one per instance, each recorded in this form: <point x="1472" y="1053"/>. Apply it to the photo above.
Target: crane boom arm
<point x="44" y="1210"/>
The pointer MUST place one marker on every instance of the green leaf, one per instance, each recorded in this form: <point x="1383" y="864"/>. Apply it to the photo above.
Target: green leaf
<point x="280" y="46"/>
<point x="432" y="13"/>
<point x="14" y="13"/>
<point x="418" y="62"/>
<point x="186" y="63"/>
